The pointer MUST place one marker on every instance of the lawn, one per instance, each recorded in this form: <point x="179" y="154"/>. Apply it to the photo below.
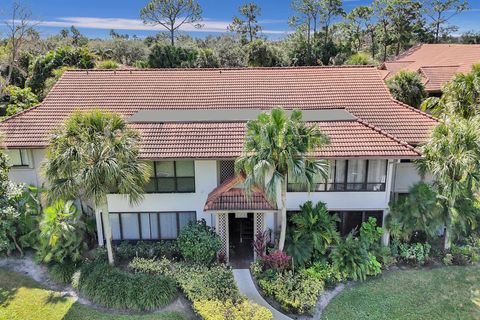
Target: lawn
<point x="23" y="298"/>
<point x="442" y="293"/>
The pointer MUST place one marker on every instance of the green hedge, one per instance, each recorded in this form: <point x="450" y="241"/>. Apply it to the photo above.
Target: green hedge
<point x="218" y="310"/>
<point x="113" y="288"/>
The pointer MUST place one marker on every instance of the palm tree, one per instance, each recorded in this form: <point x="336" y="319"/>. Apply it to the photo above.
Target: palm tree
<point x="452" y="155"/>
<point x="461" y="96"/>
<point x="94" y="154"/>
<point x="407" y="87"/>
<point x="276" y="145"/>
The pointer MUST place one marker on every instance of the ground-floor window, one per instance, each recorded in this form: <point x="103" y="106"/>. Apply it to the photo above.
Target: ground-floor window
<point x="149" y="225"/>
<point x="350" y="220"/>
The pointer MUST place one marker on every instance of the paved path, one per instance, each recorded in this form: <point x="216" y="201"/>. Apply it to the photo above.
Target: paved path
<point x="247" y="287"/>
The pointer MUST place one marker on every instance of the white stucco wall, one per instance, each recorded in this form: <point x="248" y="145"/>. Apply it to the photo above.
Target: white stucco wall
<point x="29" y="175"/>
<point x="205" y="182"/>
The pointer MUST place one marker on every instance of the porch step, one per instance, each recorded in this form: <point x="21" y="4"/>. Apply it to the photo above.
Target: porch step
<point x="247" y="288"/>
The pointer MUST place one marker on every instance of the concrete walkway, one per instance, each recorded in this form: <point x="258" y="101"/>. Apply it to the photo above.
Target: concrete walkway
<point x="247" y="287"/>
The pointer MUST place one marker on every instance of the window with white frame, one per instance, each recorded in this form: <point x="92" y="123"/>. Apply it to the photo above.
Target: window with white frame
<point x="18" y="157"/>
<point x="149" y="225"/>
<point x="348" y="175"/>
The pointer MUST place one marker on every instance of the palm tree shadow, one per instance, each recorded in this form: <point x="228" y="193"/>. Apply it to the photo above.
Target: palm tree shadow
<point x="54" y="298"/>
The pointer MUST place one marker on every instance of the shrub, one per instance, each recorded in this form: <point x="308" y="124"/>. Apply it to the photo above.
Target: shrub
<point x="370" y="234"/>
<point x="448" y="259"/>
<point x="407" y="86"/>
<point x="278" y="261"/>
<point x="107" y="64"/>
<point x="416" y="253"/>
<point x="360" y="58"/>
<point x="260" y="243"/>
<point x="62" y="272"/>
<point x="294" y="292"/>
<point x="206" y="283"/>
<point x="151" y="266"/>
<point x="128" y="251"/>
<point x="61" y="234"/>
<point x="466" y="254"/>
<point x="326" y="272"/>
<point x="385" y="257"/>
<point x="198" y="243"/>
<point x="113" y="288"/>
<point x="312" y="232"/>
<point x="19" y="99"/>
<point x="218" y="310"/>
<point x="352" y="259"/>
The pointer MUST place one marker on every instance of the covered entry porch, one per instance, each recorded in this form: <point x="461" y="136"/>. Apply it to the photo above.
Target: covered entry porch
<point x="239" y="216"/>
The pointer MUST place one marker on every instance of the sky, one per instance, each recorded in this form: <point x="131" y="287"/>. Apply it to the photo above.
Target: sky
<point x="95" y="18"/>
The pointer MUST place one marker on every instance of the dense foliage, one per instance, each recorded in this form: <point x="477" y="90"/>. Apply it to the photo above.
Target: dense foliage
<point x="19" y="209"/>
<point x="407" y="87"/>
<point x="198" y="243"/>
<point x="142" y="249"/>
<point x="113" y="288"/>
<point x="19" y="99"/>
<point x="218" y="310"/>
<point x="313" y="230"/>
<point x="61" y="234"/>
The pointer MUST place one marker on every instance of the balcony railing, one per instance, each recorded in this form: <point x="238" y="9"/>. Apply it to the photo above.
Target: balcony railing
<point x="338" y="187"/>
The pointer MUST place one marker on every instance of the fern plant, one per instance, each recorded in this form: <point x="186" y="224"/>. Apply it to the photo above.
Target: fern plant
<point x="352" y="258"/>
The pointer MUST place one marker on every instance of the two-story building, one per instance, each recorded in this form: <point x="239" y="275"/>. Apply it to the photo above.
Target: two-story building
<point x="192" y="123"/>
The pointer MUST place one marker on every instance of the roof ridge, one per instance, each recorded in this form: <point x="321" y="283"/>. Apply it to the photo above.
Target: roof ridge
<point x="441" y="66"/>
<point x="408" y="52"/>
<point x="224" y="68"/>
<point x="388" y="135"/>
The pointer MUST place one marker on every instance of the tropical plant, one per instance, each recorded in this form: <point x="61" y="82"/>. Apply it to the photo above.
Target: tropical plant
<point x="419" y="211"/>
<point x="313" y="230"/>
<point x="259" y="244"/>
<point x="19" y="99"/>
<point x="360" y="58"/>
<point x="276" y="145"/>
<point x="415" y="253"/>
<point x="107" y="64"/>
<point x="460" y="97"/>
<point x="198" y="242"/>
<point x="278" y="261"/>
<point x="370" y="234"/>
<point x="93" y="154"/>
<point x="11" y="218"/>
<point x="452" y="156"/>
<point x="352" y="259"/>
<point x="407" y="86"/>
<point x="61" y="234"/>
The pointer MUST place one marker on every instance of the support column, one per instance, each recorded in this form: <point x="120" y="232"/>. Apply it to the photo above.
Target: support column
<point x="222" y="231"/>
<point x="99" y="223"/>
<point x="258" y="226"/>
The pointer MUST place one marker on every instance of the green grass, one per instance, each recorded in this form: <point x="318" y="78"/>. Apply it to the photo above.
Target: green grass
<point x="23" y="298"/>
<point x="443" y="293"/>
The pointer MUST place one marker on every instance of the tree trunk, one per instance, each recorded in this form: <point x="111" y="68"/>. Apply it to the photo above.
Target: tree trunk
<point x="447" y="241"/>
<point x="283" y="216"/>
<point x="172" y="37"/>
<point x="107" y="232"/>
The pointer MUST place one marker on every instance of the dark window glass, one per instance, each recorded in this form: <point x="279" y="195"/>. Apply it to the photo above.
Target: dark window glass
<point x="172" y="176"/>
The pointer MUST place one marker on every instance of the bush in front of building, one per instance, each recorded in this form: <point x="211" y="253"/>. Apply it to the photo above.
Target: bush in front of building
<point x="219" y="310"/>
<point x="199" y="243"/>
<point x="111" y="287"/>
<point x="141" y="249"/>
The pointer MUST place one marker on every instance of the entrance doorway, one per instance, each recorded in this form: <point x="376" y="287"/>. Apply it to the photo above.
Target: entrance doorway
<point x="240" y="226"/>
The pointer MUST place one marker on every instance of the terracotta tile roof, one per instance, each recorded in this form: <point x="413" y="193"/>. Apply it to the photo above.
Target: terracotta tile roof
<point x="438" y="63"/>
<point x="225" y="140"/>
<point x="228" y="196"/>
<point x="360" y="90"/>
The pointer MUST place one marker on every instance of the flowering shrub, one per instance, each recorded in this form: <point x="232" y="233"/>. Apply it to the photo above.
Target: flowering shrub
<point x="218" y="310"/>
<point x="277" y="260"/>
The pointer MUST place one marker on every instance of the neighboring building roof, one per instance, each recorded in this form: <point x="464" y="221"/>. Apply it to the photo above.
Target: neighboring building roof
<point x="229" y="196"/>
<point x="382" y="125"/>
<point x="437" y="63"/>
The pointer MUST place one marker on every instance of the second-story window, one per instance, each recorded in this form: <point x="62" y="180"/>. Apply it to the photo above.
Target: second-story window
<point x="348" y="175"/>
<point x="172" y="177"/>
<point x="18" y="157"/>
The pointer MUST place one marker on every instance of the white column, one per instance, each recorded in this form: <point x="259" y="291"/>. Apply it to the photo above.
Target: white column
<point x="98" y="219"/>
<point x="388" y="192"/>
